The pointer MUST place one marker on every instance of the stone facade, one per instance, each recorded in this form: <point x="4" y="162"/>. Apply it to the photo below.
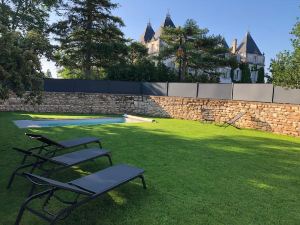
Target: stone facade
<point x="277" y="118"/>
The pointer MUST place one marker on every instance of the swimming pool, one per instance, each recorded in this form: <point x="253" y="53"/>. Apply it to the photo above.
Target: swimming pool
<point x="78" y="122"/>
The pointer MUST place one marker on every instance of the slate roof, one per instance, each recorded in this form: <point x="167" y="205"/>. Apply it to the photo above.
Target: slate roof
<point x="167" y="23"/>
<point x="149" y="34"/>
<point x="224" y="43"/>
<point x="248" y="45"/>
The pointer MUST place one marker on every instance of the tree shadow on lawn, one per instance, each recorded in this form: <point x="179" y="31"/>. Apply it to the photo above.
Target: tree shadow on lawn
<point x="234" y="178"/>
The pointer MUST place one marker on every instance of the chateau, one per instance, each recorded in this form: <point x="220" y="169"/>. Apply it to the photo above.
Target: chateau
<point x="246" y="52"/>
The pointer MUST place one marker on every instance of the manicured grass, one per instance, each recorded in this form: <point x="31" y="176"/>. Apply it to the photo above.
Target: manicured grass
<point x="196" y="174"/>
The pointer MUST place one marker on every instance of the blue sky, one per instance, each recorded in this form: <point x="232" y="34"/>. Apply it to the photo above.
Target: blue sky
<point x="269" y="21"/>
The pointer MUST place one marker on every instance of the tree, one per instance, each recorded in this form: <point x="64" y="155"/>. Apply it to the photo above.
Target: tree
<point x="20" y="68"/>
<point x="261" y="75"/>
<point x="285" y="67"/>
<point x="90" y="37"/>
<point x="246" y="73"/>
<point x="145" y="71"/>
<point x="136" y="52"/>
<point x="23" y="41"/>
<point x="135" y="55"/>
<point x="192" y="48"/>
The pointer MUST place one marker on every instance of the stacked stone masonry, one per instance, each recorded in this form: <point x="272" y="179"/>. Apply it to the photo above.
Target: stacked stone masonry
<point x="277" y="118"/>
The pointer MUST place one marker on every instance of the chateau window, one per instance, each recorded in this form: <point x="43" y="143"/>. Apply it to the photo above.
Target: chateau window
<point x="255" y="59"/>
<point x="236" y="75"/>
<point x="254" y="76"/>
<point x="228" y="74"/>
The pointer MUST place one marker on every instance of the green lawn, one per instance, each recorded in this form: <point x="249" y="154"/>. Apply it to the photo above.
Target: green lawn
<point x="196" y="174"/>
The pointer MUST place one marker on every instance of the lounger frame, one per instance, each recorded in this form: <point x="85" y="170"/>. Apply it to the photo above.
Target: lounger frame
<point x="40" y="160"/>
<point x="50" y="147"/>
<point x="232" y="121"/>
<point x="53" y="218"/>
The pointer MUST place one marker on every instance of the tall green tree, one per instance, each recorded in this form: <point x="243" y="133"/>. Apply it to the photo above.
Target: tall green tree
<point x="192" y="48"/>
<point x="261" y="75"/>
<point x="246" y="73"/>
<point x="23" y="41"/>
<point x="135" y="55"/>
<point x="285" y="67"/>
<point x="90" y="37"/>
<point x="20" y="68"/>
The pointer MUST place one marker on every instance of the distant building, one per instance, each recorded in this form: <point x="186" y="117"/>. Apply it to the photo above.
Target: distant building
<point x="246" y="52"/>
<point x="153" y="42"/>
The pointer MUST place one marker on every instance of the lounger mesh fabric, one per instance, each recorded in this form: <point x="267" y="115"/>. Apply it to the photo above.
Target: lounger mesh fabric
<point x="77" y="142"/>
<point x="74" y="158"/>
<point x="106" y="179"/>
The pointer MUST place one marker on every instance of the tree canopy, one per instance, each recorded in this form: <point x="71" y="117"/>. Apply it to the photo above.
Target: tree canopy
<point x="285" y="67"/>
<point x="89" y="36"/>
<point x="193" y="49"/>
<point x="23" y="40"/>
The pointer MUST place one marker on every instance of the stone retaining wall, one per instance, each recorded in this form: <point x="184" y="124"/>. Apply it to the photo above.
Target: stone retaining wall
<point x="277" y="118"/>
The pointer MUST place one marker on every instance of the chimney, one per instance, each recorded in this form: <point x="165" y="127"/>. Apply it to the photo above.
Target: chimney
<point x="234" y="46"/>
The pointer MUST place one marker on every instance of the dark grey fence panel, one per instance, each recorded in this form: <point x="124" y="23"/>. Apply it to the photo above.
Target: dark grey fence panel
<point x="74" y="85"/>
<point x="253" y="92"/>
<point x="157" y="89"/>
<point x="92" y="86"/>
<point x="125" y="87"/>
<point x="58" y="85"/>
<point x="246" y="92"/>
<point x="285" y="95"/>
<point x="183" y="89"/>
<point x="215" y="91"/>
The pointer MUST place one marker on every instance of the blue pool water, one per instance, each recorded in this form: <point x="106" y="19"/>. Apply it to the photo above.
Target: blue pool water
<point x="60" y="123"/>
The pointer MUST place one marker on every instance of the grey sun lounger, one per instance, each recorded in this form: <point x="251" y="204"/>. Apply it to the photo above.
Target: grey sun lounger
<point x="86" y="188"/>
<point x="232" y="121"/>
<point x="49" y="146"/>
<point x="59" y="162"/>
<point x="66" y="143"/>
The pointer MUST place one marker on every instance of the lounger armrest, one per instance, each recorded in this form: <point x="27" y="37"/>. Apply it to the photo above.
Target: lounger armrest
<point x="42" y="181"/>
<point x="43" y="139"/>
<point x="31" y="154"/>
<point x="35" y="181"/>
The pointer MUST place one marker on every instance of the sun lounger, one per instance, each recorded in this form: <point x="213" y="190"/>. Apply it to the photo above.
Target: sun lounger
<point x="59" y="162"/>
<point x="48" y="145"/>
<point x="66" y="143"/>
<point x="232" y="121"/>
<point x="86" y="189"/>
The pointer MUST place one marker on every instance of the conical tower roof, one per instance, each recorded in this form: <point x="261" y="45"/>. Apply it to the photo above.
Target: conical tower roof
<point x="224" y="43"/>
<point x="149" y="33"/>
<point x="248" y="45"/>
<point x="167" y="23"/>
